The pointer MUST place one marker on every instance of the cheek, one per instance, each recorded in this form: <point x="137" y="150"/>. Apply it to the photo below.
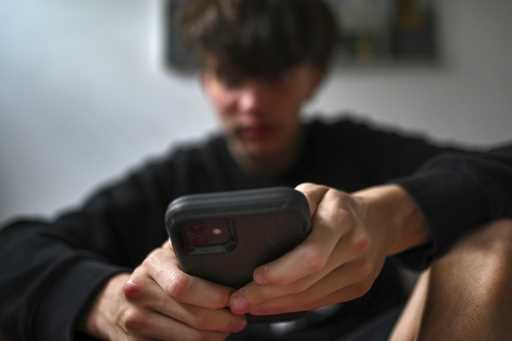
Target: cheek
<point x="287" y="110"/>
<point x="225" y="109"/>
<point x="289" y="99"/>
<point x="222" y="100"/>
<point x="225" y="104"/>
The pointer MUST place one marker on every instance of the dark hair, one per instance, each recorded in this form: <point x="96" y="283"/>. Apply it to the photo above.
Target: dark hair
<point x="259" y="38"/>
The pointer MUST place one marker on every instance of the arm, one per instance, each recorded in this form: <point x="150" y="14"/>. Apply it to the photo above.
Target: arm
<point x="443" y="180"/>
<point x="160" y="302"/>
<point x="61" y="267"/>
<point x="341" y="258"/>
<point x="458" y="192"/>
<point x="354" y="233"/>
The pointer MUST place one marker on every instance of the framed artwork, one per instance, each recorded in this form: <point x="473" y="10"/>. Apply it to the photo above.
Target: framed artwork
<point x="386" y="31"/>
<point x="371" y="32"/>
<point x="176" y="57"/>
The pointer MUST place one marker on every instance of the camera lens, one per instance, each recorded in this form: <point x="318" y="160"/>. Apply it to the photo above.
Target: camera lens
<point x="207" y="233"/>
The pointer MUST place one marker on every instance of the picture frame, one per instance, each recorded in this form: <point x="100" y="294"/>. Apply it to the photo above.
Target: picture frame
<point x="371" y="32"/>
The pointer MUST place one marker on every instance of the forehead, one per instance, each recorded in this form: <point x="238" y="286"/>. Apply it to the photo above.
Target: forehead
<point x="233" y="74"/>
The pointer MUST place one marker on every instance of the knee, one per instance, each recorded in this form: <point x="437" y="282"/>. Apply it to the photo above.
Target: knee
<point x="488" y="258"/>
<point x="494" y="239"/>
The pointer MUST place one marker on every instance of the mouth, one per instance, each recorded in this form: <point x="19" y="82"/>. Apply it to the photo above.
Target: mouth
<point x="255" y="133"/>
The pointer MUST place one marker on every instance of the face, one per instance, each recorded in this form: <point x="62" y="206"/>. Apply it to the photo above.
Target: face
<point x="261" y="118"/>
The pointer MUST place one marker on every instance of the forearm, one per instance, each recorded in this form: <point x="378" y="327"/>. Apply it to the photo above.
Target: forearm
<point x="55" y="282"/>
<point x="390" y="207"/>
<point x="458" y="193"/>
<point x="102" y="312"/>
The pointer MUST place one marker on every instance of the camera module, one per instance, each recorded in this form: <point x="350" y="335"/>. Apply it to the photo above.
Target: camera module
<point x="209" y="236"/>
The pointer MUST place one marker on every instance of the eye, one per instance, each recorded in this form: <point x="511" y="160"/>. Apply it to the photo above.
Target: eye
<point x="279" y="80"/>
<point x="232" y="81"/>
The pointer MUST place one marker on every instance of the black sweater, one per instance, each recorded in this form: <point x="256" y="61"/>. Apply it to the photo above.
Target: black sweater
<point x="51" y="270"/>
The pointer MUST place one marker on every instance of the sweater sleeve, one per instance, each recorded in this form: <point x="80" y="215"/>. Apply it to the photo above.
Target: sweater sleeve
<point x="52" y="270"/>
<point x="458" y="192"/>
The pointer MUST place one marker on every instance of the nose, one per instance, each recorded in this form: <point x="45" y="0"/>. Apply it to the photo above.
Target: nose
<point x="253" y="99"/>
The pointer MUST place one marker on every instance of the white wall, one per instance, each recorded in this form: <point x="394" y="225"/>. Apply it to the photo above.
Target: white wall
<point x="468" y="98"/>
<point x="82" y="96"/>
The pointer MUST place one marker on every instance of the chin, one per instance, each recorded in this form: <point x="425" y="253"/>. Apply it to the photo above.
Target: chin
<point x="261" y="150"/>
<point x="258" y="150"/>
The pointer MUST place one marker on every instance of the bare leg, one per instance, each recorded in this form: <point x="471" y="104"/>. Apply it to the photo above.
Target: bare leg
<point x="408" y="325"/>
<point x="467" y="294"/>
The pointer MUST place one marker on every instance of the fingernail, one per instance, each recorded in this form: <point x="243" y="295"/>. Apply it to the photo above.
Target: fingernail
<point x="259" y="278"/>
<point x="239" y="304"/>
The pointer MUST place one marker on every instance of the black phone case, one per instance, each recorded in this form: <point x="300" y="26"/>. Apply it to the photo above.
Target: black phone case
<point x="265" y="224"/>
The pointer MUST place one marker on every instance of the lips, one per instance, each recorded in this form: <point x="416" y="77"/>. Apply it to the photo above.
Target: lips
<point x="255" y="132"/>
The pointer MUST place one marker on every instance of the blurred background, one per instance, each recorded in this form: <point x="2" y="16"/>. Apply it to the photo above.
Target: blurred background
<point x="86" y="94"/>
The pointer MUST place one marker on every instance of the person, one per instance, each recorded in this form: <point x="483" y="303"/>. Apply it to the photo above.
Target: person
<point x="378" y="198"/>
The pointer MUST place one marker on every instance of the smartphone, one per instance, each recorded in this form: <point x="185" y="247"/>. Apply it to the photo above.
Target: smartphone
<point x="224" y="236"/>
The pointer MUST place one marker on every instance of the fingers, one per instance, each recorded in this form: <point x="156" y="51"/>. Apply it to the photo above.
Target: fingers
<point x="162" y="267"/>
<point x="147" y="306"/>
<point x="348" y="248"/>
<point x="313" y="193"/>
<point x="149" y="295"/>
<point x="347" y="282"/>
<point x="164" y="303"/>
<point x="342" y="295"/>
<point x="330" y="223"/>
<point x="334" y="261"/>
<point x="140" y="324"/>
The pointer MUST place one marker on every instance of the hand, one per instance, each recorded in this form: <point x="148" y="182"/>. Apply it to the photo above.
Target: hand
<point x="343" y="255"/>
<point x="160" y="302"/>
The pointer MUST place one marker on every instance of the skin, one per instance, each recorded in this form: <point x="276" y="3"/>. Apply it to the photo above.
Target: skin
<point x="342" y="257"/>
<point x="466" y="294"/>
<point x="339" y="261"/>
<point x="261" y="118"/>
<point x="151" y="304"/>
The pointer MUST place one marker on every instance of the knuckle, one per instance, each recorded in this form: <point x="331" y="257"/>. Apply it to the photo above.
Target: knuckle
<point x="133" y="319"/>
<point x="310" y="189"/>
<point x="178" y="285"/>
<point x="345" y="204"/>
<point x="314" y="259"/>
<point x="149" y="261"/>
<point x="151" y="257"/>
<point x="305" y="185"/>
<point x="340" y="217"/>
<point x="337" y="196"/>
<point x="361" y="242"/>
<point x="332" y="195"/>
<point x="346" y="200"/>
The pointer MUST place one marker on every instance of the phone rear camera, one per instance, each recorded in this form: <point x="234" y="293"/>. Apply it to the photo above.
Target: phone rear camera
<point x="204" y="234"/>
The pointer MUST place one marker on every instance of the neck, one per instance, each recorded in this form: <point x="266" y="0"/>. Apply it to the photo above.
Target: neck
<point x="270" y="164"/>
